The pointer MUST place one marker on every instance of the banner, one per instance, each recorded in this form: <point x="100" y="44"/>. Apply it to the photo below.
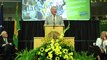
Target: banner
<point x="103" y="25"/>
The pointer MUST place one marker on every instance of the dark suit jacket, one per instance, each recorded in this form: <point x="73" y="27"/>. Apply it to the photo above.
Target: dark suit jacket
<point x="7" y="48"/>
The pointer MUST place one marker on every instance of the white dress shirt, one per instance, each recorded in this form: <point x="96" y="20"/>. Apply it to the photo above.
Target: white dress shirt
<point x="5" y="39"/>
<point x="99" y="43"/>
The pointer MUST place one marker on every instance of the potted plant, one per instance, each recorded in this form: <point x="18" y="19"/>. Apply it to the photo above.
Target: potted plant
<point x="83" y="56"/>
<point x="25" y="55"/>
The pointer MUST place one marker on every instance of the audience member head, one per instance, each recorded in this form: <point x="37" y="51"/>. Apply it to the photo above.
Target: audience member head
<point x="103" y="35"/>
<point x="53" y="10"/>
<point x="4" y="34"/>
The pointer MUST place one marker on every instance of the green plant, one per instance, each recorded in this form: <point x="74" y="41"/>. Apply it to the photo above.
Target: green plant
<point x="83" y="56"/>
<point x="25" y="55"/>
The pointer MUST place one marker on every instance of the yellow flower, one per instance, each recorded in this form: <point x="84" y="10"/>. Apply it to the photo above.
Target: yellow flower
<point x="49" y="56"/>
<point x="57" y="51"/>
<point x="52" y="41"/>
<point x="51" y="44"/>
<point x="65" y="51"/>
<point x="57" y="40"/>
<point x="41" y="49"/>
<point x="61" y="36"/>
<point x="70" y="54"/>
<point x="42" y="54"/>
<point x="48" y="46"/>
<point x="50" y="52"/>
<point x="38" y="53"/>
<point x="57" y="58"/>
<point x="60" y="52"/>
<point x="59" y="47"/>
<point x="46" y="50"/>
<point x="56" y="44"/>
<point x="66" y="57"/>
<point x="70" y="57"/>
<point x="60" y="55"/>
<point x="52" y="47"/>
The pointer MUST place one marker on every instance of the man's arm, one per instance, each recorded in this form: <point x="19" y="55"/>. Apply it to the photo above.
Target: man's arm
<point x="62" y="22"/>
<point x="11" y="42"/>
<point x="46" y="21"/>
<point x="1" y="43"/>
<point x="98" y="42"/>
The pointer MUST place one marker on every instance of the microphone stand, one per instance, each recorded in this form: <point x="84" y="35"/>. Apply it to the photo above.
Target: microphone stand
<point x="54" y="23"/>
<point x="53" y="27"/>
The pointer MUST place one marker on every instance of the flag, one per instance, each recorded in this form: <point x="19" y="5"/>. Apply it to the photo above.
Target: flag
<point x="16" y="28"/>
<point x="1" y="17"/>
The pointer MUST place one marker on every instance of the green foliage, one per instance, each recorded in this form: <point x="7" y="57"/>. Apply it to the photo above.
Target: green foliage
<point x="83" y="56"/>
<point x="25" y="55"/>
<point x="102" y="26"/>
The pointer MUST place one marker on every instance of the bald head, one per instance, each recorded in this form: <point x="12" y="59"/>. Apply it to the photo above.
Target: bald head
<point x="53" y="10"/>
<point x="4" y="34"/>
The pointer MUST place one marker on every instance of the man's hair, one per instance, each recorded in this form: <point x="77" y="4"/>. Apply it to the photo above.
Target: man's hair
<point x="3" y="32"/>
<point x="53" y="7"/>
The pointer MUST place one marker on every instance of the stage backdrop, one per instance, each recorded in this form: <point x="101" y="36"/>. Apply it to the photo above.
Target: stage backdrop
<point x="68" y="9"/>
<point x="85" y="32"/>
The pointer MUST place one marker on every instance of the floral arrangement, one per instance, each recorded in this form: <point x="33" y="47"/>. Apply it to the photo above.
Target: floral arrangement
<point x="55" y="50"/>
<point x="55" y="47"/>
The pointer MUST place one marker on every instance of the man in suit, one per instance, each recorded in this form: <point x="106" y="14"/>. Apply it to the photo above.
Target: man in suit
<point x="6" y="45"/>
<point x="54" y="19"/>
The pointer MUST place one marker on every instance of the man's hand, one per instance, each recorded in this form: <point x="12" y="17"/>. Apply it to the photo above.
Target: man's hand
<point x="10" y="43"/>
<point x="3" y="45"/>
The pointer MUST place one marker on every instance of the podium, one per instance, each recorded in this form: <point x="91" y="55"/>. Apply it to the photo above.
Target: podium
<point x="48" y="29"/>
<point x="56" y="28"/>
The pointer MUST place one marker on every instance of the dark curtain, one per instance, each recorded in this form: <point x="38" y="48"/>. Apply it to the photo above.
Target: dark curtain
<point x="85" y="32"/>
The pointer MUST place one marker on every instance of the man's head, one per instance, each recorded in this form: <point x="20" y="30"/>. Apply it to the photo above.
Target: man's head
<point x="53" y="10"/>
<point x="4" y="34"/>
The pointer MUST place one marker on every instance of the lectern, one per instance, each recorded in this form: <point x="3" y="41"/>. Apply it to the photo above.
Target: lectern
<point x="57" y="28"/>
<point x="48" y="29"/>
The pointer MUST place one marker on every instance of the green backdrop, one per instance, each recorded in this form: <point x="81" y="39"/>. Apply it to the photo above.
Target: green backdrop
<point x="103" y="25"/>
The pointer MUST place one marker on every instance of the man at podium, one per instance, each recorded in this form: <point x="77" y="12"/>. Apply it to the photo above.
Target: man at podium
<point x="54" y="20"/>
